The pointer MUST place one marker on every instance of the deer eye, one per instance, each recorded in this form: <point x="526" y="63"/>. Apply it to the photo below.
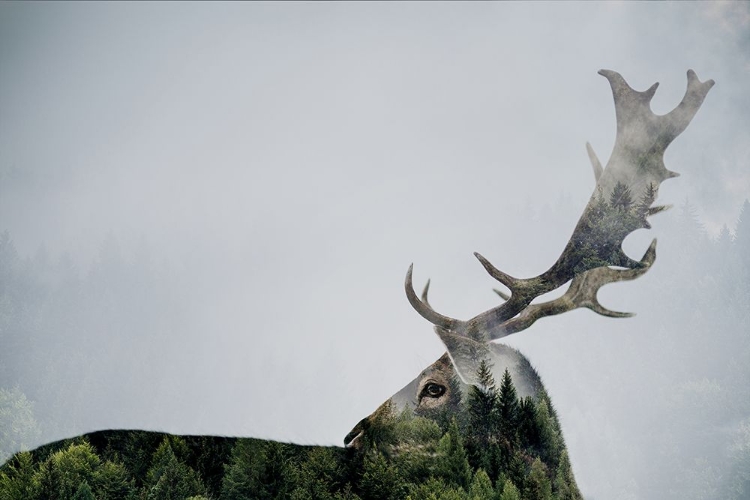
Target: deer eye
<point x="433" y="390"/>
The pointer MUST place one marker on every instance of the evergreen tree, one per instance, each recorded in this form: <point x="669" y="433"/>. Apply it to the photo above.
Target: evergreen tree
<point x="509" y="491"/>
<point x="481" y="486"/>
<point x="63" y="472"/>
<point x="242" y="476"/>
<point x="436" y="489"/>
<point x="84" y="492"/>
<point x="538" y="485"/>
<point x="508" y="409"/>
<point x="113" y="482"/>
<point x="209" y="456"/>
<point x="320" y="476"/>
<point x="454" y="465"/>
<point x="380" y="480"/>
<point x="648" y="198"/>
<point x="565" y="485"/>
<point x="528" y="431"/>
<point x="170" y="479"/>
<point x="17" y="478"/>
<point x="482" y="405"/>
<point x="550" y="441"/>
<point x="621" y="197"/>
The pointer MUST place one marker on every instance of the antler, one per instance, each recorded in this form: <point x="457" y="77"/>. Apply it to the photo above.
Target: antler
<point x="621" y="203"/>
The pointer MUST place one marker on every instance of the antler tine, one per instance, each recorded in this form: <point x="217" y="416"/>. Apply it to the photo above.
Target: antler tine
<point x="496" y="273"/>
<point x="423" y="308"/>
<point x="581" y="293"/>
<point x="680" y="117"/>
<point x="425" y="291"/>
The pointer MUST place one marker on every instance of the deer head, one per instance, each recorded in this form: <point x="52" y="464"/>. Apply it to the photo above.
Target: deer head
<point x="626" y="189"/>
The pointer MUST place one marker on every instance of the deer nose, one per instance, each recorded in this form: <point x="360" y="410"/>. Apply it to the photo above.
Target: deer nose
<point x="353" y="440"/>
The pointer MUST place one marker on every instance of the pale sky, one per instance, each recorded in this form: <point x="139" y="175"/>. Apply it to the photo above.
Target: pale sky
<point x="290" y="160"/>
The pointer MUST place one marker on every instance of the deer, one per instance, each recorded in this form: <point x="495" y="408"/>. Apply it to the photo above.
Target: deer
<point x="592" y="258"/>
<point x="622" y="201"/>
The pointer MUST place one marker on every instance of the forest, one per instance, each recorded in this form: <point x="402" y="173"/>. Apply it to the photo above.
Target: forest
<point x="493" y="447"/>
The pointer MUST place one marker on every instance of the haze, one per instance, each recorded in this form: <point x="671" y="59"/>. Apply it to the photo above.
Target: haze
<point x="269" y="171"/>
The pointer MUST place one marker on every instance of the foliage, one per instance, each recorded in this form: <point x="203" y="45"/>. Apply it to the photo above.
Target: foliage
<point x="406" y="456"/>
<point x="169" y="478"/>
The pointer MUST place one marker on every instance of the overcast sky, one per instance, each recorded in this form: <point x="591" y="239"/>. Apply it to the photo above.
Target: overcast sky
<point x="290" y="160"/>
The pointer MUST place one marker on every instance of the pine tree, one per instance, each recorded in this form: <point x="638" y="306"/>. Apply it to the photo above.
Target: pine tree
<point x="528" y="431"/>
<point x="380" y="481"/>
<point x="482" y="404"/>
<point x="565" y="485"/>
<point x="169" y="478"/>
<point x="508" y="409"/>
<point x="242" y="475"/>
<point x="17" y="478"/>
<point x="62" y="473"/>
<point x="550" y="440"/>
<point x="621" y="197"/>
<point x="113" y="482"/>
<point x="481" y="486"/>
<point x="320" y="475"/>
<point x="538" y="486"/>
<point x="454" y="466"/>
<point x="84" y="492"/>
<point x="434" y="489"/>
<point x="648" y="198"/>
<point x="509" y="491"/>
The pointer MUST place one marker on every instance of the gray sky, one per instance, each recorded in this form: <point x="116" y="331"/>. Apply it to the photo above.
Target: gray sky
<point x="290" y="160"/>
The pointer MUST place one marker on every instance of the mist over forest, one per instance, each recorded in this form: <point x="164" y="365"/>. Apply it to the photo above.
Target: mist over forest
<point x="207" y="213"/>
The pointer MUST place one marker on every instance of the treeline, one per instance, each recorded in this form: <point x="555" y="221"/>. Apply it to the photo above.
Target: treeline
<point x="498" y="447"/>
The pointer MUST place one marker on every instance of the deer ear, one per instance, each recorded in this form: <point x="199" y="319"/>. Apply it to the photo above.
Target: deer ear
<point x="465" y="354"/>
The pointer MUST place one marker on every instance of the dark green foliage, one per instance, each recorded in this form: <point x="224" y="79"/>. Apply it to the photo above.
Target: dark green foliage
<point x="454" y="464"/>
<point x="508" y="410"/>
<point x="538" y="486"/>
<point x="169" y="478"/>
<point x="482" y="406"/>
<point x="481" y="486"/>
<point x="17" y="478"/>
<point x="417" y="459"/>
<point x="113" y="482"/>
<point x="528" y="430"/>
<point x="258" y="468"/>
<point x="84" y="492"/>
<point x="380" y="480"/>
<point x="509" y="491"/>
<point x="550" y="439"/>
<point x="63" y="472"/>
<point x="320" y="476"/>
<point x="564" y="483"/>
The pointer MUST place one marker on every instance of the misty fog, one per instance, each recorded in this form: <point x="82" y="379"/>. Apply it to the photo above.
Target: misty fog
<point x="209" y="211"/>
